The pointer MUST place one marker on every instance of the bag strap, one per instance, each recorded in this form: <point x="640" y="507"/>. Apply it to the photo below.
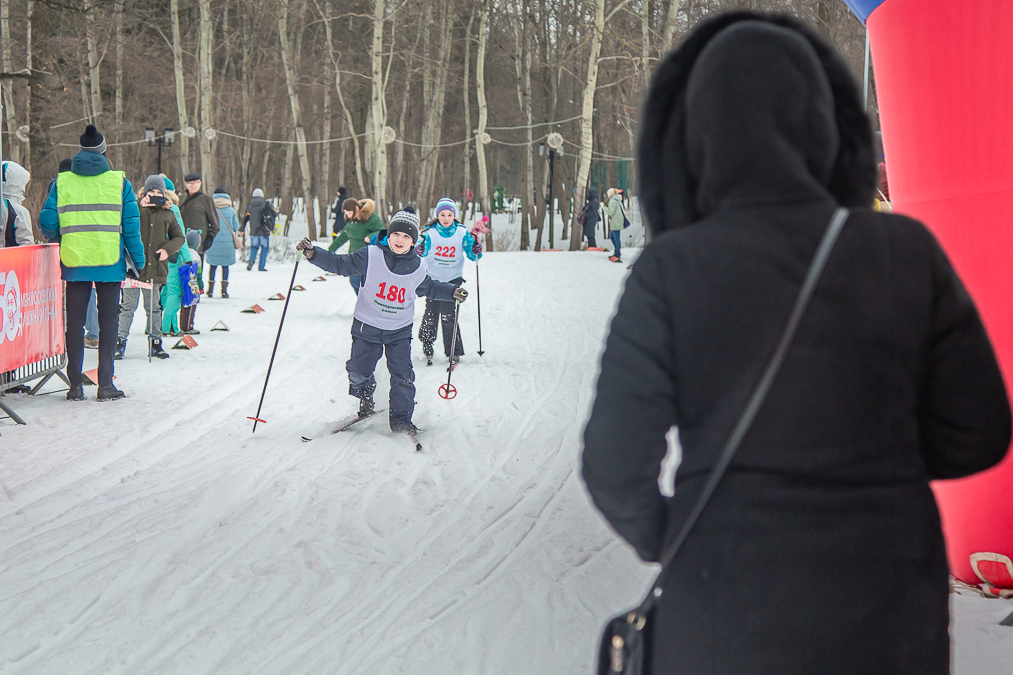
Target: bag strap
<point x="755" y="402"/>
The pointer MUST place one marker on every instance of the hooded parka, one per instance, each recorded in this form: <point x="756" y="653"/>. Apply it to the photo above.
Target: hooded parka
<point x="821" y="549"/>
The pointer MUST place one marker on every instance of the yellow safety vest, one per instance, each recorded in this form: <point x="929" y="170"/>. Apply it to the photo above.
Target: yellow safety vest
<point x="90" y="210"/>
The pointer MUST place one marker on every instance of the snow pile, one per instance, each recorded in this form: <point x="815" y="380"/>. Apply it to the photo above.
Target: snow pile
<point x="157" y="535"/>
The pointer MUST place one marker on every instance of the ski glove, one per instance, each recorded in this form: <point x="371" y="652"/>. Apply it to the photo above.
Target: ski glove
<point x="306" y="246"/>
<point x="460" y="295"/>
<point x="477" y="248"/>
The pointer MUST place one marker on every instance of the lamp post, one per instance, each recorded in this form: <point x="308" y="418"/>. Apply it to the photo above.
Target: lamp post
<point x="165" y="139"/>
<point x="555" y="141"/>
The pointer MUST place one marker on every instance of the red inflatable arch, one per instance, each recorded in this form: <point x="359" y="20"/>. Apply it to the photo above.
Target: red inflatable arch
<point x="944" y="80"/>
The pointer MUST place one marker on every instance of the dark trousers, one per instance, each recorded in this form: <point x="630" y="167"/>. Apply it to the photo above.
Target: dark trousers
<point x="589" y="233"/>
<point x="443" y="310"/>
<point x="108" y="296"/>
<point x="362" y="382"/>
<point x="211" y="273"/>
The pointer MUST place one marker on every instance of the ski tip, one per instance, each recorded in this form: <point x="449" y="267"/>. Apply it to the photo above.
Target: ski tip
<point x="418" y="447"/>
<point x="305" y="440"/>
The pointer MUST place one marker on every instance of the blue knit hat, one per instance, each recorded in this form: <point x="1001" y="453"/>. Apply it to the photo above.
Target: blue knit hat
<point x="446" y="204"/>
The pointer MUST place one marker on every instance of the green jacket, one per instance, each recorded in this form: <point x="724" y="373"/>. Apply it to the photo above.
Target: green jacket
<point x="614" y="210"/>
<point x="355" y="232"/>
<point x="159" y="229"/>
<point x="172" y="284"/>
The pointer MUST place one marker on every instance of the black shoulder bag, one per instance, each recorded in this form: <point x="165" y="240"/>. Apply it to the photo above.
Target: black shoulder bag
<point x="626" y="641"/>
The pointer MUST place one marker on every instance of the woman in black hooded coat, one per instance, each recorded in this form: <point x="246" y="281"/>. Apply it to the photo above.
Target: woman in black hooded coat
<point x="821" y="549"/>
<point x="591" y="216"/>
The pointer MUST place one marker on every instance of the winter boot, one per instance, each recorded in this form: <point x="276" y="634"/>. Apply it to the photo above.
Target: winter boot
<point x="366" y="406"/>
<point x="76" y="393"/>
<point x="157" y="351"/>
<point x="429" y="359"/>
<point x="121" y="346"/>
<point x="110" y="393"/>
<point x="407" y="428"/>
<point x="225" y="289"/>
<point x="211" y="289"/>
<point x="249" y="265"/>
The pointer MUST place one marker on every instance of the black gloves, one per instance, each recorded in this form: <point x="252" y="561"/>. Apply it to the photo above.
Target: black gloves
<point x="306" y="246"/>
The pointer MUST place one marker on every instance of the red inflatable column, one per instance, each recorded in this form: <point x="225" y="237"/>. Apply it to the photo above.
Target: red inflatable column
<point x="944" y="77"/>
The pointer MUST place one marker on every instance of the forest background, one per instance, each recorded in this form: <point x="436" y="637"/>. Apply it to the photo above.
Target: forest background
<point x="402" y="101"/>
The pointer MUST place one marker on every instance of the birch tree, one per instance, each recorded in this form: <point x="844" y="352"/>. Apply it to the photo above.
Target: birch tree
<point x="434" y="97"/>
<point x="94" y="64"/>
<point x="483" y="118"/>
<point x="522" y="36"/>
<point x="205" y="64"/>
<point x="177" y="63"/>
<point x="669" y="34"/>
<point x="288" y="61"/>
<point x="587" y="120"/>
<point x="7" y="85"/>
<point x="378" y="110"/>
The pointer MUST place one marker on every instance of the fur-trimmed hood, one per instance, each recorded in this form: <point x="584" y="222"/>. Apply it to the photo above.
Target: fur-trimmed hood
<point x="751" y="110"/>
<point x="367" y="207"/>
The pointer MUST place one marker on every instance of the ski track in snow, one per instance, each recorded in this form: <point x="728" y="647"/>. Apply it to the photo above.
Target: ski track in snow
<point x="158" y="535"/>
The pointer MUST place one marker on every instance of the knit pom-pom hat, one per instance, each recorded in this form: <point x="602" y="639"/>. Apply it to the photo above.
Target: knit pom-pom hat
<point x="92" y="140"/>
<point x="405" y="221"/>
<point x="446" y="204"/>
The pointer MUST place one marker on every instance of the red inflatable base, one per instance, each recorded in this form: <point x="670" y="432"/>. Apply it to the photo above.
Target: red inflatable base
<point x="944" y="78"/>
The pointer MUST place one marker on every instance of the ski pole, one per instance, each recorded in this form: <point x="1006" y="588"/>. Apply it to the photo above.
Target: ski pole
<point x="449" y="391"/>
<point x="275" y="350"/>
<point x="478" y="297"/>
<point x="151" y="318"/>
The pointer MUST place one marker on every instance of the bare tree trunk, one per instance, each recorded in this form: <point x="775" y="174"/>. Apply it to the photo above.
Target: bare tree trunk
<point x="118" y="111"/>
<point x="326" y="13"/>
<point x="266" y="160"/>
<point x="29" y="11"/>
<point x="434" y="103"/>
<point x="378" y="112"/>
<point x="522" y="36"/>
<point x="669" y="34"/>
<point x="325" y="156"/>
<point x="645" y="41"/>
<point x="466" y="90"/>
<point x="177" y="67"/>
<point x="205" y="57"/>
<point x="483" y="118"/>
<point x="14" y="148"/>
<point x="94" y="64"/>
<point x="587" y="121"/>
<point x="300" y="131"/>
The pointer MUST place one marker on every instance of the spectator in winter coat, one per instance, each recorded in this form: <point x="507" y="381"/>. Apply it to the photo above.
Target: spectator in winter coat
<point x="162" y="240"/>
<point x="223" y="250"/>
<point x="443" y="246"/>
<point x="259" y="232"/>
<point x="16" y="228"/>
<point x="90" y="256"/>
<point x="198" y="211"/>
<point x="821" y="549"/>
<point x="337" y="212"/>
<point x="173" y="197"/>
<point x="358" y="231"/>
<point x="616" y="216"/>
<point x="591" y="217"/>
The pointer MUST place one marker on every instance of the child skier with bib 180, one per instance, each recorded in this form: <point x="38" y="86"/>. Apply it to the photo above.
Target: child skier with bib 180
<point x="443" y="247"/>
<point x="392" y="275"/>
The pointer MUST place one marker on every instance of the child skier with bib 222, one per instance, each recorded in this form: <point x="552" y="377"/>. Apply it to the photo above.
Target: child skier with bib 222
<point x="443" y="247"/>
<point x="392" y="275"/>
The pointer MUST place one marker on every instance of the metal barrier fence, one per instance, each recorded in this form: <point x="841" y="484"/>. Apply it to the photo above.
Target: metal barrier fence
<point x="44" y="369"/>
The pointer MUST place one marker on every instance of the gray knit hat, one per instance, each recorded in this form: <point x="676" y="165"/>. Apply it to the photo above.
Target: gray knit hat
<point x="154" y="183"/>
<point x="193" y="239"/>
<point x="92" y="140"/>
<point x="407" y="222"/>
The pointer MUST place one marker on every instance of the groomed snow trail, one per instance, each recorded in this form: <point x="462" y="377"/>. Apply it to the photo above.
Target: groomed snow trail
<point x="158" y="535"/>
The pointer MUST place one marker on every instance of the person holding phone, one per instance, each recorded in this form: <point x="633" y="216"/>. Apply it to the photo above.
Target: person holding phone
<point x="162" y="238"/>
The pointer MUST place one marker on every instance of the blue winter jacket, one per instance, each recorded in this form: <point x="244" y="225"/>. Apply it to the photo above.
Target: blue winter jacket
<point x="93" y="164"/>
<point x="222" y="251"/>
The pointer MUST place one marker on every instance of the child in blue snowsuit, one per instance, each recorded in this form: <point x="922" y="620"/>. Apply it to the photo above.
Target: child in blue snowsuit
<point x="443" y="248"/>
<point x="392" y="275"/>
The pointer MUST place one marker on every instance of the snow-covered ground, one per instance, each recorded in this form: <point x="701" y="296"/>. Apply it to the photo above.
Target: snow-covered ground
<point x="158" y="535"/>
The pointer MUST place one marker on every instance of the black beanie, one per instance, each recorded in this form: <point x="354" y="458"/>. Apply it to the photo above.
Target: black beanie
<point x="221" y="190"/>
<point x="405" y="221"/>
<point x="92" y="140"/>
<point x="66" y="164"/>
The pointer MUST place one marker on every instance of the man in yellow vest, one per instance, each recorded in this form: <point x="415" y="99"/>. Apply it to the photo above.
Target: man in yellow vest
<point x="92" y="212"/>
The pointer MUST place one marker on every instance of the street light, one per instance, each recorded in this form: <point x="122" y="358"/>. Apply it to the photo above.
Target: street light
<point x="165" y="139"/>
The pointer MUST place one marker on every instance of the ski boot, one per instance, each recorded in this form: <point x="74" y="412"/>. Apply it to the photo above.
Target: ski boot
<point x="453" y="363"/>
<point x="366" y="406"/>
<point x="157" y="351"/>
<point x="121" y="347"/>
<point x="76" y="393"/>
<point x="110" y="393"/>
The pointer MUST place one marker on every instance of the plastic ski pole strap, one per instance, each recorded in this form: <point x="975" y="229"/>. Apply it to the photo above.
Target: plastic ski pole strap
<point x="756" y="400"/>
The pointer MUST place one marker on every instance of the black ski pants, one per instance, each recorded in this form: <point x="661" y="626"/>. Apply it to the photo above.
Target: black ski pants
<point x="362" y="381"/>
<point x="78" y="295"/>
<point x="444" y="311"/>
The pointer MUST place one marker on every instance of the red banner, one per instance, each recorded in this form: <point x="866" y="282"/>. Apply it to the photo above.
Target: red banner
<point x="32" y="304"/>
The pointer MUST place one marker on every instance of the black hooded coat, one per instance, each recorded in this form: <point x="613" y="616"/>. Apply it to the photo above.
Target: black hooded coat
<point x="821" y="549"/>
<point x="591" y="213"/>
